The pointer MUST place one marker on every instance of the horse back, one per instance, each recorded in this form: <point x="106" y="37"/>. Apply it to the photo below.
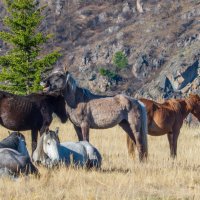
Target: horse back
<point x="19" y="113"/>
<point x="161" y="117"/>
<point x="151" y="107"/>
<point x="73" y="151"/>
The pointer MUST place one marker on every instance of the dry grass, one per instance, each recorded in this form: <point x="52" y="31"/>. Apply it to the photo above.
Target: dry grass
<point x="120" y="177"/>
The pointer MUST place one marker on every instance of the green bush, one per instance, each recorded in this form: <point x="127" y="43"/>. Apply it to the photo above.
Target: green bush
<point x="120" y="60"/>
<point x="107" y="73"/>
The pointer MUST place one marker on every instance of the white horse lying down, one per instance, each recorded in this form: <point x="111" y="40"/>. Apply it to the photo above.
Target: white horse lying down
<point x="50" y="152"/>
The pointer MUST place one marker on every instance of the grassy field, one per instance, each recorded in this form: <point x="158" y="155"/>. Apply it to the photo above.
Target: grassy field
<point x="120" y="177"/>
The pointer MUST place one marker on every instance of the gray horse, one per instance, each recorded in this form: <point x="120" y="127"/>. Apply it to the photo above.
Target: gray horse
<point x="14" y="156"/>
<point x="87" y="110"/>
<point x="50" y="152"/>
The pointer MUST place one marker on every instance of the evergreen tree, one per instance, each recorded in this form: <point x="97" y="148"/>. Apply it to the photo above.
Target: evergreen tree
<point x="120" y="60"/>
<point x="23" y="65"/>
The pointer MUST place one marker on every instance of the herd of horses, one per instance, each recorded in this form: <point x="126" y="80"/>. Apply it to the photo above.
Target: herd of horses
<point x="62" y="96"/>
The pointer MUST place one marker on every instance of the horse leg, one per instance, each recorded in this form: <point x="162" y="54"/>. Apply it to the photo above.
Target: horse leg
<point x="85" y="131"/>
<point x="141" y="147"/>
<point x="78" y="132"/>
<point x="138" y="140"/>
<point x="34" y="135"/>
<point x="170" y="139"/>
<point x="173" y="138"/>
<point x="131" y="143"/>
<point x="47" y="118"/>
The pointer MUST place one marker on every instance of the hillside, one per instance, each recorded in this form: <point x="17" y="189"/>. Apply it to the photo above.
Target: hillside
<point x="162" y="44"/>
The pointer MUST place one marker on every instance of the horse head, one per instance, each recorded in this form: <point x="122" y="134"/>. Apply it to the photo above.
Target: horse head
<point x="50" y="146"/>
<point x="194" y="104"/>
<point x="59" y="80"/>
<point x="56" y="81"/>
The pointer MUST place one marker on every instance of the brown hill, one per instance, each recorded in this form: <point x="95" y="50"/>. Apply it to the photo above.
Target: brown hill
<point x="162" y="44"/>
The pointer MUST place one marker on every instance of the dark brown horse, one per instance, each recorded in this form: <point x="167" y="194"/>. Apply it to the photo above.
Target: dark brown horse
<point x="32" y="112"/>
<point x="167" y="118"/>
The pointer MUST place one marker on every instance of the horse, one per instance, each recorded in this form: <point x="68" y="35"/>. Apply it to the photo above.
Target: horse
<point x="14" y="156"/>
<point x="168" y="117"/>
<point x="32" y="112"/>
<point x="51" y="152"/>
<point x="87" y="110"/>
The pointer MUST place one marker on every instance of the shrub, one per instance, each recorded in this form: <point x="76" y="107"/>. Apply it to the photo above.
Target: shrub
<point x="120" y="60"/>
<point x="107" y="73"/>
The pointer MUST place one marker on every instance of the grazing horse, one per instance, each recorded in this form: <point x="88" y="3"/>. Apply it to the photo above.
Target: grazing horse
<point x="32" y="112"/>
<point x="50" y="152"/>
<point x="14" y="157"/>
<point x="167" y="118"/>
<point x="87" y="110"/>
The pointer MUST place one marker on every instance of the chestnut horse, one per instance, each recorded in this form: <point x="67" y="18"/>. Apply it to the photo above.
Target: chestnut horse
<point x="167" y="118"/>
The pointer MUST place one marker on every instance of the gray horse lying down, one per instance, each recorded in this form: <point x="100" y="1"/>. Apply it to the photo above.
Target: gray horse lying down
<point x="14" y="157"/>
<point x="50" y="152"/>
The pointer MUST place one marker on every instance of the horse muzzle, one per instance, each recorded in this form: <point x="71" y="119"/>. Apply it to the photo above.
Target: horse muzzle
<point x="45" y="86"/>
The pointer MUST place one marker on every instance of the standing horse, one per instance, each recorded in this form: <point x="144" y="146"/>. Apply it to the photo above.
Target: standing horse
<point x="87" y="110"/>
<point x="32" y="112"/>
<point x="50" y="152"/>
<point x="167" y="118"/>
<point x="14" y="157"/>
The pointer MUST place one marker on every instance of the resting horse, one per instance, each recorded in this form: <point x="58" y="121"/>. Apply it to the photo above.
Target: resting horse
<point x="50" y="152"/>
<point x="32" y="112"/>
<point x="87" y="110"/>
<point x="14" y="157"/>
<point x="167" y="118"/>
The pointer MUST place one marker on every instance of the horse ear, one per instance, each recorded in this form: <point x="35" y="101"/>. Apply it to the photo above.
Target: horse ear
<point x="57" y="130"/>
<point x="46" y="129"/>
<point x="65" y="69"/>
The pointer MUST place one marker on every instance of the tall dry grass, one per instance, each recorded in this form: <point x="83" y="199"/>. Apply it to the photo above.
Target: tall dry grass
<point x="120" y="177"/>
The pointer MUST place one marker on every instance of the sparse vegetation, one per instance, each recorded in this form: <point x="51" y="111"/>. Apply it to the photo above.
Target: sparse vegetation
<point x="120" y="60"/>
<point x="120" y="177"/>
<point x="108" y="73"/>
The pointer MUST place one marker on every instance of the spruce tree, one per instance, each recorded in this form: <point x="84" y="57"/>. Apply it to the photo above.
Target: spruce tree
<point x="22" y="66"/>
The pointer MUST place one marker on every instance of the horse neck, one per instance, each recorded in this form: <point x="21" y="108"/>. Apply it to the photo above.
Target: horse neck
<point x="185" y="108"/>
<point x="70" y="99"/>
<point x="10" y="142"/>
<point x="190" y="103"/>
<point x="22" y="148"/>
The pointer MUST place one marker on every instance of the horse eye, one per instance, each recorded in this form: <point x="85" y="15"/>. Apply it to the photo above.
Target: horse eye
<point x="48" y="143"/>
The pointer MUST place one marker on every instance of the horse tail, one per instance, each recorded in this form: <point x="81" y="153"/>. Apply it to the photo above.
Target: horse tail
<point x="131" y="145"/>
<point x="144" y="128"/>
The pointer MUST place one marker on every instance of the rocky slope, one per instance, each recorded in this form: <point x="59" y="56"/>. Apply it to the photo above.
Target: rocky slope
<point x="162" y="44"/>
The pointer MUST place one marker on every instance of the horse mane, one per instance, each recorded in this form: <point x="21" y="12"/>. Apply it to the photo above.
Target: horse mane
<point x="86" y="92"/>
<point x="173" y="104"/>
<point x="192" y="99"/>
<point x="72" y="82"/>
<point x="11" y="141"/>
